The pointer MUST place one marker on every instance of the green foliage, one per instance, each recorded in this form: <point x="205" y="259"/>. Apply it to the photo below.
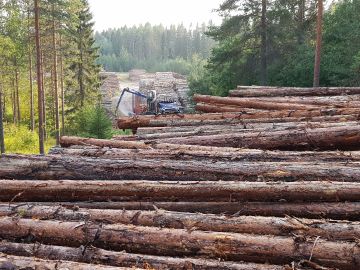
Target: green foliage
<point x="155" y="48"/>
<point x="92" y="122"/>
<point x="178" y="65"/>
<point x="21" y="140"/>
<point x="84" y="67"/>
<point x="290" y="43"/>
<point x="70" y="22"/>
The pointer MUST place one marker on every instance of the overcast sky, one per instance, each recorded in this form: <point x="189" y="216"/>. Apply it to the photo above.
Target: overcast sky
<point x="117" y="13"/>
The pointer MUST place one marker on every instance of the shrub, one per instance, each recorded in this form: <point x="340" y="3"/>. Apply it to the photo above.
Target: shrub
<point x="92" y="122"/>
<point x="21" y="140"/>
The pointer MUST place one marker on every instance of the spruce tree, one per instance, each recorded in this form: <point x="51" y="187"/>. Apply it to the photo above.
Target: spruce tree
<point x="85" y="67"/>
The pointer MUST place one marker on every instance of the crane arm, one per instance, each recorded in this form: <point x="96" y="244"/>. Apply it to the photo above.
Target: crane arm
<point x="127" y="90"/>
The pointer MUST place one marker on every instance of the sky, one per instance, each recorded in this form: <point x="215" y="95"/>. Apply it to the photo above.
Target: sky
<point x="117" y="13"/>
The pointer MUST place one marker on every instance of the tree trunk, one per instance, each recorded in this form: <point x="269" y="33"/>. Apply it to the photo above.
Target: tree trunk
<point x="267" y="91"/>
<point x="332" y="138"/>
<point x="216" y="154"/>
<point x="213" y="108"/>
<point x="2" y="136"/>
<point x="15" y="262"/>
<point x="69" y="141"/>
<point x="39" y="79"/>
<point x="32" y="118"/>
<point x="178" y="242"/>
<point x="254" y="104"/>
<point x="148" y="133"/>
<point x="13" y="101"/>
<point x="62" y="89"/>
<point x="318" y="43"/>
<point x="218" y="108"/>
<point x="263" y="69"/>
<point x="330" y="230"/>
<point x="237" y="118"/>
<point x="80" y="168"/>
<point x="317" y="210"/>
<point x="121" y="259"/>
<point x="56" y="91"/>
<point x="67" y="190"/>
<point x="43" y="94"/>
<point x="17" y="94"/>
<point x="352" y="101"/>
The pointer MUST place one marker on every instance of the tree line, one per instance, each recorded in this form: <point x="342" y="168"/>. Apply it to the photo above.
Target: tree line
<point x="152" y="47"/>
<point x="272" y="42"/>
<point x="47" y="54"/>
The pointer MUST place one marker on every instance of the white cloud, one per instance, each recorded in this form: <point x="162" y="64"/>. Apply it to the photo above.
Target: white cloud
<point x="117" y="13"/>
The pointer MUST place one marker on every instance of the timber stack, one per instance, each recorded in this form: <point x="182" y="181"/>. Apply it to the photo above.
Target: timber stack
<point x="267" y="178"/>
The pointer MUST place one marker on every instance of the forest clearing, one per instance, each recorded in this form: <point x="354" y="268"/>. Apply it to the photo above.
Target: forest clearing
<point x="214" y="147"/>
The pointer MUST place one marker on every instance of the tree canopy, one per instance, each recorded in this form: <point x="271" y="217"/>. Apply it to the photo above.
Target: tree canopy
<point x="286" y="39"/>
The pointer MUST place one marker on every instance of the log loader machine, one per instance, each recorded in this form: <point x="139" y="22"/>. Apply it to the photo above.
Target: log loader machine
<point x="154" y="104"/>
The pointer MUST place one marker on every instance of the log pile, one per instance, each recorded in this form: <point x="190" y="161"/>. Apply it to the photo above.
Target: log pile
<point x="274" y="186"/>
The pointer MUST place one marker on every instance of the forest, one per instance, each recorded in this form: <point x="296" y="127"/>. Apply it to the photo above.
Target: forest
<point x="154" y="48"/>
<point x="273" y="43"/>
<point x="65" y="65"/>
<point x="259" y="42"/>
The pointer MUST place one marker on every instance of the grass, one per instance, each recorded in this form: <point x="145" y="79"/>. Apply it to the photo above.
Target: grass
<point x="21" y="140"/>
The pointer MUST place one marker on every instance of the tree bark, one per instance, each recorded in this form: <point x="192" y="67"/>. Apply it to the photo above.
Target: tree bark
<point x="2" y="135"/>
<point x="264" y="32"/>
<point x="252" y="104"/>
<point x="16" y="262"/>
<point x="317" y="210"/>
<point x="62" y="89"/>
<point x="219" y="108"/>
<point x="56" y="91"/>
<point x="39" y="78"/>
<point x="32" y="117"/>
<point x="217" y="153"/>
<point x="43" y="94"/>
<point x="67" y="190"/>
<point x="178" y="242"/>
<point x="214" y="108"/>
<point x="122" y="259"/>
<point x="332" y="138"/>
<point x="80" y="168"/>
<point x="318" y="43"/>
<point x="17" y="94"/>
<point x="252" y="123"/>
<point x="330" y="230"/>
<point x="236" y="118"/>
<point x="69" y="141"/>
<point x="245" y="126"/>
<point x="352" y="101"/>
<point x="267" y="91"/>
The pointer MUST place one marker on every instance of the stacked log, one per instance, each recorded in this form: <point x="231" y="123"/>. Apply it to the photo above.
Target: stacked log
<point x="270" y="182"/>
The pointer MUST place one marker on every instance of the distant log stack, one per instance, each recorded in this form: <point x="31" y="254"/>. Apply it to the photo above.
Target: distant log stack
<point x="266" y="179"/>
